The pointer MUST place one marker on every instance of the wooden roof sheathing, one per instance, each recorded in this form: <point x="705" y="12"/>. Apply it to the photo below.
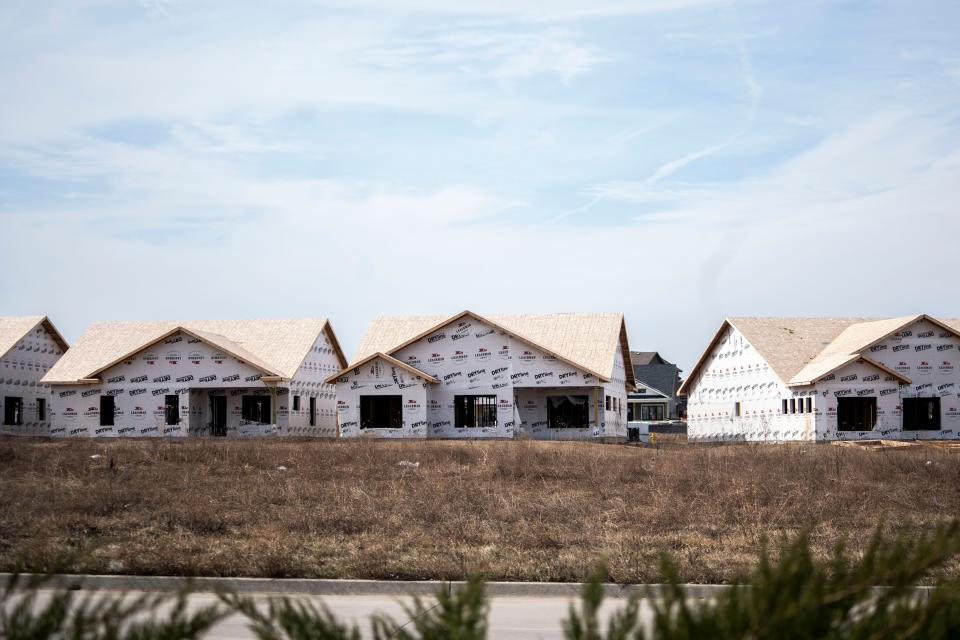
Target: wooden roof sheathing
<point x="803" y="350"/>
<point x="275" y="346"/>
<point x="788" y="344"/>
<point x="385" y="333"/>
<point x="586" y="340"/>
<point x="14" y="328"/>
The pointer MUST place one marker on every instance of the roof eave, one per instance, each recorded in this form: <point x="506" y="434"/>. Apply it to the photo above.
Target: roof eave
<point x="388" y="358"/>
<point x="682" y="391"/>
<point x="328" y="328"/>
<point x="241" y="358"/>
<point x="853" y="358"/>
<point x="506" y="331"/>
<point x="55" y="333"/>
<point x="629" y="378"/>
<point x="80" y="381"/>
<point x="48" y="326"/>
<point x="509" y="332"/>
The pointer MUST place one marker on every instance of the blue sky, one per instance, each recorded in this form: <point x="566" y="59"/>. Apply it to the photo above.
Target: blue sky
<point x="679" y="161"/>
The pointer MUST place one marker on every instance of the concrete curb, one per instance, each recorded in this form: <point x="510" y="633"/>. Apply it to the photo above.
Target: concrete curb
<point x="321" y="587"/>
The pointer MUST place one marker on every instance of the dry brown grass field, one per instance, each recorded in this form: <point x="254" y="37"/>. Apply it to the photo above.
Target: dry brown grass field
<point x="511" y="510"/>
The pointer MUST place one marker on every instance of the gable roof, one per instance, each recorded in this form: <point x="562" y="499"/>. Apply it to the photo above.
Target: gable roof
<point x="212" y="339"/>
<point x="662" y="377"/>
<point x="276" y="347"/>
<point x="800" y="351"/>
<point x="14" y="328"/>
<point x="648" y="389"/>
<point x="832" y="362"/>
<point x="390" y="360"/>
<point x="587" y="341"/>
<point x="642" y="358"/>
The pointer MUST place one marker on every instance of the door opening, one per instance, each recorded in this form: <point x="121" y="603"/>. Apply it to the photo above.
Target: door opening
<point x="218" y="415"/>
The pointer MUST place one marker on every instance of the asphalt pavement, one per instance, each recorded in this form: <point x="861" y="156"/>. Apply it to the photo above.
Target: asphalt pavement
<point x="511" y="617"/>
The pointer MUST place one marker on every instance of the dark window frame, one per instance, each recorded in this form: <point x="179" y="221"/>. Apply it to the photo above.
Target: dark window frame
<point x="913" y="418"/>
<point x="296" y="403"/>
<point x="171" y="410"/>
<point x="313" y="411"/>
<point x="13" y="411"/>
<point x="646" y="409"/>
<point x="475" y="411"/>
<point x="568" y="415"/>
<point x="737" y="409"/>
<point x="41" y="409"/>
<point x="253" y="408"/>
<point x="108" y="411"/>
<point x="857" y="414"/>
<point x="809" y="405"/>
<point x="381" y="412"/>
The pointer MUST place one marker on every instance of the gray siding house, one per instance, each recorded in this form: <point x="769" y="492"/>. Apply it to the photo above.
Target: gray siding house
<point x="659" y="380"/>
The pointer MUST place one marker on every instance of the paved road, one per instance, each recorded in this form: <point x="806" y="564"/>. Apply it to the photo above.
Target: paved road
<point x="511" y="618"/>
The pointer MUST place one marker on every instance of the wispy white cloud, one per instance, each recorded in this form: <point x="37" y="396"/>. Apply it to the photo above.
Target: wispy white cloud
<point x="554" y="10"/>
<point x="365" y="157"/>
<point x="755" y="93"/>
<point x="551" y="52"/>
<point x="483" y="50"/>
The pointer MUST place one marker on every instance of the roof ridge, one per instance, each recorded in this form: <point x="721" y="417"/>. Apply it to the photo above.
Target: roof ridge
<point x="277" y="346"/>
<point x="390" y="334"/>
<point x="25" y="325"/>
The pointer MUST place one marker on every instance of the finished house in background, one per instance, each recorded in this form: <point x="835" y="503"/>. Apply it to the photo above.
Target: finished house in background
<point x="773" y="379"/>
<point x="197" y="377"/>
<point x="657" y="383"/>
<point x="560" y="376"/>
<point x="29" y="347"/>
<point x="647" y="404"/>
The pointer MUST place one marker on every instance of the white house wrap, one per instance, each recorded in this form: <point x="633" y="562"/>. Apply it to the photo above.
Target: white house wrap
<point x="29" y="347"/>
<point x="223" y="378"/>
<point x="558" y="376"/>
<point x="773" y="379"/>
